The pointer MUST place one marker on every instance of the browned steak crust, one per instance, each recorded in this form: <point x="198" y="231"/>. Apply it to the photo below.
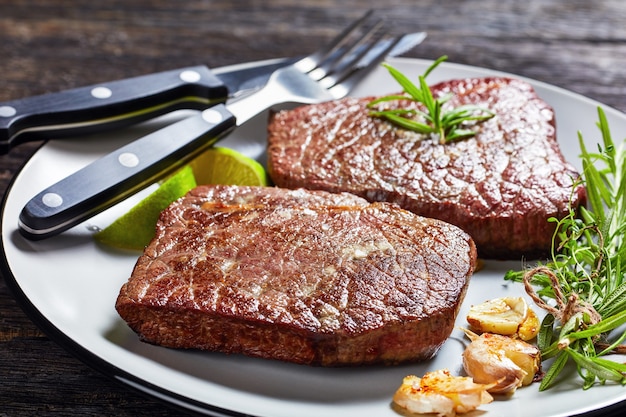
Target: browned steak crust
<point x="501" y="186"/>
<point x="306" y="277"/>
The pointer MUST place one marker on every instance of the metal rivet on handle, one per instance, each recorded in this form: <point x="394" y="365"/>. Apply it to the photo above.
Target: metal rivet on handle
<point x="190" y="76"/>
<point x="52" y="199"/>
<point x="212" y="116"/>
<point x="7" y="111"/>
<point x="101" y="92"/>
<point x="128" y="159"/>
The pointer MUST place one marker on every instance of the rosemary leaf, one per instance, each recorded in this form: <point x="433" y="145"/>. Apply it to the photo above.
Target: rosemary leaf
<point x="407" y="124"/>
<point x="550" y="378"/>
<point x="386" y="98"/>
<point x="595" y="367"/>
<point x="447" y="124"/>
<point x="606" y="325"/>
<point x="404" y="82"/>
<point x="545" y="336"/>
<point x="615" y="301"/>
<point x="459" y="134"/>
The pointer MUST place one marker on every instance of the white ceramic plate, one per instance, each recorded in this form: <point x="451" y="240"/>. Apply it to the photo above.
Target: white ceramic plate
<point x="68" y="285"/>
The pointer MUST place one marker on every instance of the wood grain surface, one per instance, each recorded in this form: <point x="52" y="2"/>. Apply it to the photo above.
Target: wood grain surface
<point x="46" y="46"/>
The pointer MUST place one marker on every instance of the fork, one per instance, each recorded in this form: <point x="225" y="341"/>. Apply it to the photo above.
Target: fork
<point x="327" y="74"/>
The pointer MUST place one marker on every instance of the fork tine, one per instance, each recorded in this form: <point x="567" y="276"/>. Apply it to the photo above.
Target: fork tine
<point x="343" y="67"/>
<point x="309" y="63"/>
<point x="336" y="61"/>
<point x="340" y="85"/>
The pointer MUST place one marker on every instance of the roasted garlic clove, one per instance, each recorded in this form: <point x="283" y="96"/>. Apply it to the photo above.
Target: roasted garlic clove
<point x="507" y="316"/>
<point x="501" y="360"/>
<point x="441" y="393"/>
<point x="529" y="328"/>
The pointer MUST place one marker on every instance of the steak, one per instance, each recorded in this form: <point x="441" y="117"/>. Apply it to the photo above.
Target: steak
<point x="500" y="186"/>
<point x="302" y="276"/>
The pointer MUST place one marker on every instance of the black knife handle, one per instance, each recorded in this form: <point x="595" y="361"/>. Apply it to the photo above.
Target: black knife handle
<point x="107" y="106"/>
<point x="121" y="173"/>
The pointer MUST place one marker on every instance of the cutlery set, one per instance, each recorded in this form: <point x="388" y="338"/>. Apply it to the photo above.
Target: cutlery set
<point x="224" y="99"/>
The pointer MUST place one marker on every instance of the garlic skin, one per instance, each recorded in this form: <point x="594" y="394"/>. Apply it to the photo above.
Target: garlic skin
<point x="442" y="394"/>
<point x="506" y="316"/>
<point x="507" y="362"/>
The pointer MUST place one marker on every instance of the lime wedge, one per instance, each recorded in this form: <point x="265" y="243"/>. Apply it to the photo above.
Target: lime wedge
<point x="136" y="228"/>
<point x="217" y="165"/>
<point x="226" y="166"/>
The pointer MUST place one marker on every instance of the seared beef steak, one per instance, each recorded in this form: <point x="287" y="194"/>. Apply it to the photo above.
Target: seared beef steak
<point x="501" y="186"/>
<point x="300" y="276"/>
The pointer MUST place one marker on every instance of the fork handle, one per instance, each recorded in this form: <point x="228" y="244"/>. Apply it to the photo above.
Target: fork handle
<point x="121" y="173"/>
<point x="108" y="105"/>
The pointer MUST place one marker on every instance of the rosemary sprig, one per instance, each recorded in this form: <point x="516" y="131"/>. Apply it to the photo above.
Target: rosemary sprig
<point x="448" y="125"/>
<point x="586" y="275"/>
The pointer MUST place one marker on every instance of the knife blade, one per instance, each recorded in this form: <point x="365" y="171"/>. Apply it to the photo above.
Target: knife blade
<point x="120" y="103"/>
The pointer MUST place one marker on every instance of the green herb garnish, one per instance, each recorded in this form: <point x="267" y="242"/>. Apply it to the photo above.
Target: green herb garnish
<point x="448" y="125"/>
<point x="583" y="286"/>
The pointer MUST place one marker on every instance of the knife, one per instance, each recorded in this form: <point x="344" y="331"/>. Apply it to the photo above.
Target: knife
<point x="124" y="102"/>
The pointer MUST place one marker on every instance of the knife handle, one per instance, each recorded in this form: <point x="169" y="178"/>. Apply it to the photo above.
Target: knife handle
<point x="106" y="106"/>
<point x="121" y="173"/>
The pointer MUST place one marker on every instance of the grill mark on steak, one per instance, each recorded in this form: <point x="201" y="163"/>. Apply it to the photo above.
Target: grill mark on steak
<point x="500" y="186"/>
<point x="303" y="276"/>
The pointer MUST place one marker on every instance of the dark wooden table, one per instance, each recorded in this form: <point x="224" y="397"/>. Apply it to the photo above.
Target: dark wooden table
<point x="47" y="46"/>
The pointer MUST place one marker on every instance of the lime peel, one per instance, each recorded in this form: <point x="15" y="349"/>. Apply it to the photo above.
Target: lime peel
<point x="136" y="228"/>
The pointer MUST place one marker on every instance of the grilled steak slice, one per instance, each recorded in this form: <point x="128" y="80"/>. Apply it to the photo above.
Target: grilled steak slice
<point x="500" y="186"/>
<point x="301" y="276"/>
